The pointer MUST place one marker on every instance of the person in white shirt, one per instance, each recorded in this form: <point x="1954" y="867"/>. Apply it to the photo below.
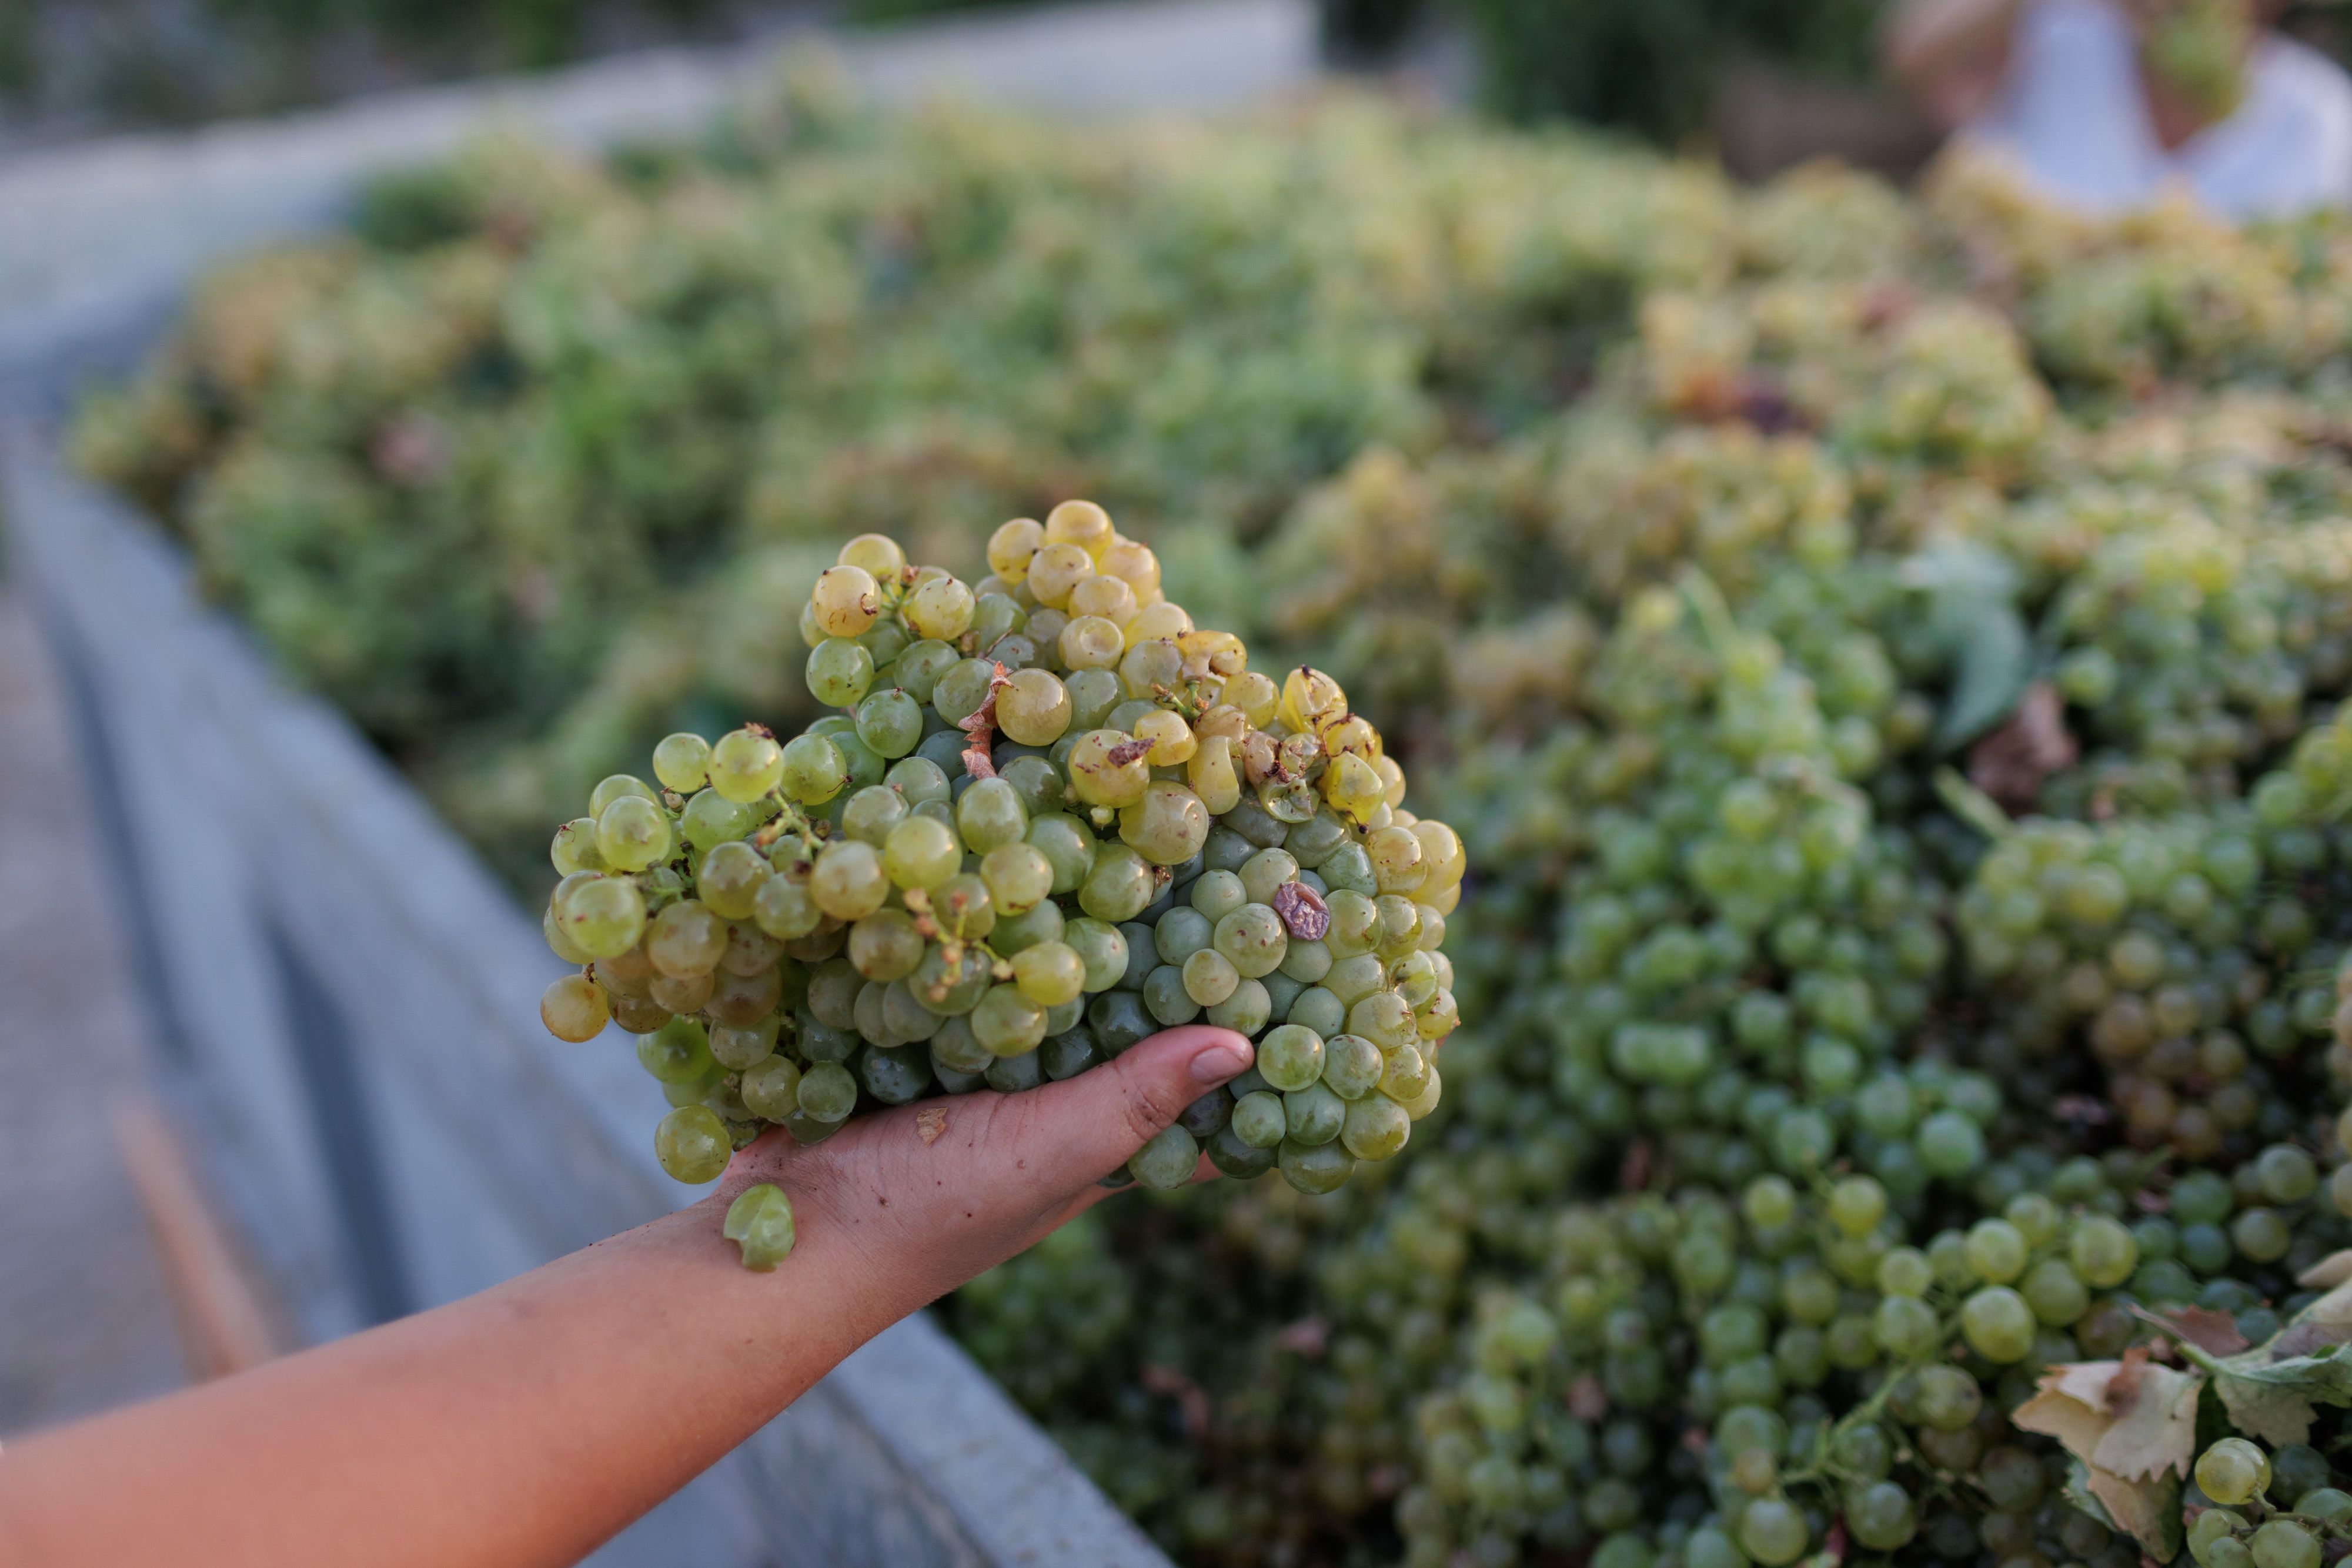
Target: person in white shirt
<point x="2098" y="107"/>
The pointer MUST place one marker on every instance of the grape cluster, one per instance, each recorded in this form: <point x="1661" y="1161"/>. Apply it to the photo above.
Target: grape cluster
<point x="1052" y="816"/>
<point x="2243" y="1525"/>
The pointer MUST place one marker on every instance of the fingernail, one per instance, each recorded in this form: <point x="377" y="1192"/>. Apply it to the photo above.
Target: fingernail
<point x="1217" y="1062"/>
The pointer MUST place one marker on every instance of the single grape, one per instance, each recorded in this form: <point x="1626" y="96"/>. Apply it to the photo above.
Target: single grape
<point x="2234" y="1471"/>
<point x="759" y="1222"/>
<point x="692" y="1145"/>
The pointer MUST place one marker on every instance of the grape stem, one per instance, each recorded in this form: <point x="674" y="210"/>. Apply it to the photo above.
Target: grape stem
<point x="1972" y="805"/>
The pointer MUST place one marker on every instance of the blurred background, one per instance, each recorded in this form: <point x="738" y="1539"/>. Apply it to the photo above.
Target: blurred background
<point x="1755" y="80"/>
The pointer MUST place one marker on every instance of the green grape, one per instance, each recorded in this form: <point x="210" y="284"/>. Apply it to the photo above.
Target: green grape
<point x="1007" y="1022"/>
<point x="2283" y="1543"/>
<point x="1881" y="1516"/>
<point x="885" y="946"/>
<point x="574" y="848"/>
<point x="1049" y="973"/>
<point x="786" y="907"/>
<point x="2234" y="1471"/>
<point x="889" y="722"/>
<point x="1252" y="938"/>
<point x="812" y="771"/>
<point x="1998" y="1324"/>
<point x="692" y="1145"/>
<point x="1209" y="976"/>
<point x="828" y="1092"/>
<point x="730" y="878"/>
<point x="686" y="939"/>
<point x="1260" y="1119"/>
<point x="848" y="880"/>
<point x="575" y="1008"/>
<point x="1315" y="1114"/>
<point x="1773" y="1531"/>
<point x="2102" y="1251"/>
<point x="633" y="834"/>
<point x="1167" y="1161"/>
<point x="1167" y="826"/>
<point x="1374" y="1127"/>
<point x="1352" y="1066"/>
<point x="682" y="762"/>
<point x="1291" y="1058"/>
<point x="1314" y="1168"/>
<point x="759" y="1222"/>
<point x="745" y="764"/>
<point x="839" y="672"/>
<point x="870" y="814"/>
<point x="990" y="814"/>
<point x="1101" y="947"/>
<point x="710" y="820"/>
<point x="1119" y="885"/>
<point x="604" y="917"/>
<point x="1995" y="1251"/>
<point x="919" y="852"/>
<point x="1245" y="1010"/>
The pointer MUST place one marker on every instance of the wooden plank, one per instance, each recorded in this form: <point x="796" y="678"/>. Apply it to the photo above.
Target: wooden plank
<point x="219" y="1302"/>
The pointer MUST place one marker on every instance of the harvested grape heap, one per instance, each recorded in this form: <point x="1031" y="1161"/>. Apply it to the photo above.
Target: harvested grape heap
<point x="1052" y="817"/>
<point x="1884" y="656"/>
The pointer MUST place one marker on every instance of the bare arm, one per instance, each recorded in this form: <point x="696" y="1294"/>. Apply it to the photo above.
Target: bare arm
<point x="1951" y="54"/>
<point x="529" y="1422"/>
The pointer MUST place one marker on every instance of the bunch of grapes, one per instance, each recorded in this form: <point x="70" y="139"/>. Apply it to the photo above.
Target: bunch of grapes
<point x="1052" y="816"/>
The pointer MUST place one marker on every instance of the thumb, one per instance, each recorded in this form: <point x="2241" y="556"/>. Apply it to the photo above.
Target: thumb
<point x="1118" y="1107"/>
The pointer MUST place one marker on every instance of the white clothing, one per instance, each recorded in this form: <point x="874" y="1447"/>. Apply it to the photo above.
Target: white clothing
<point x="2071" y="116"/>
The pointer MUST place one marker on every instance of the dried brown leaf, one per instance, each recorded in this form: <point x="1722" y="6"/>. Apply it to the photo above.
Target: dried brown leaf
<point x="2158" y="1432"/>
<point x="2077" y="1426"/>
<point x="2206" y="1329"/>
<point x="2012" y="760"/>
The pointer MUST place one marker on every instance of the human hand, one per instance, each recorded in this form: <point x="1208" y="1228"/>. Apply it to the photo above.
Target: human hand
<point x="917" y="1200"/>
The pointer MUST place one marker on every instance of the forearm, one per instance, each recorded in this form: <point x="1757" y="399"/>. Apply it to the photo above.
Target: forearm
<point x="525" y="1426"/>
<point x="521" y="1426"/>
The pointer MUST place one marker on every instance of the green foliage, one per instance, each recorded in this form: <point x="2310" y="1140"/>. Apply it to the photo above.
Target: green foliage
<point x="1653" y="66"/>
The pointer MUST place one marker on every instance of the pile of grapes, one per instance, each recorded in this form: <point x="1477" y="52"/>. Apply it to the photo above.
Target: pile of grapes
<point x="537" y="465"/>
<point x="1052" y="816"/>
<point x="1881" y="655"/>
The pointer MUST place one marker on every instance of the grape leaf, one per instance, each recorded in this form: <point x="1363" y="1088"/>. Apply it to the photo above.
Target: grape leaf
<point x="2077" y="1425"/>
<point x="1972" y="607"/>
<point x="2272" y="1400"/>
<point x="2157" y="1434"/>
<point x="2330" y="1271"/>
<point x="1994" y="655"/>
<point x="2149" y="1512"/>
<point x="2085" y="1501"/>
<point x="2131" y="1427"/>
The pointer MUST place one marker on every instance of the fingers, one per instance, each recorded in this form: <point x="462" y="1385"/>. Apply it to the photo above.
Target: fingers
<point x="1099" y="1119"/>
